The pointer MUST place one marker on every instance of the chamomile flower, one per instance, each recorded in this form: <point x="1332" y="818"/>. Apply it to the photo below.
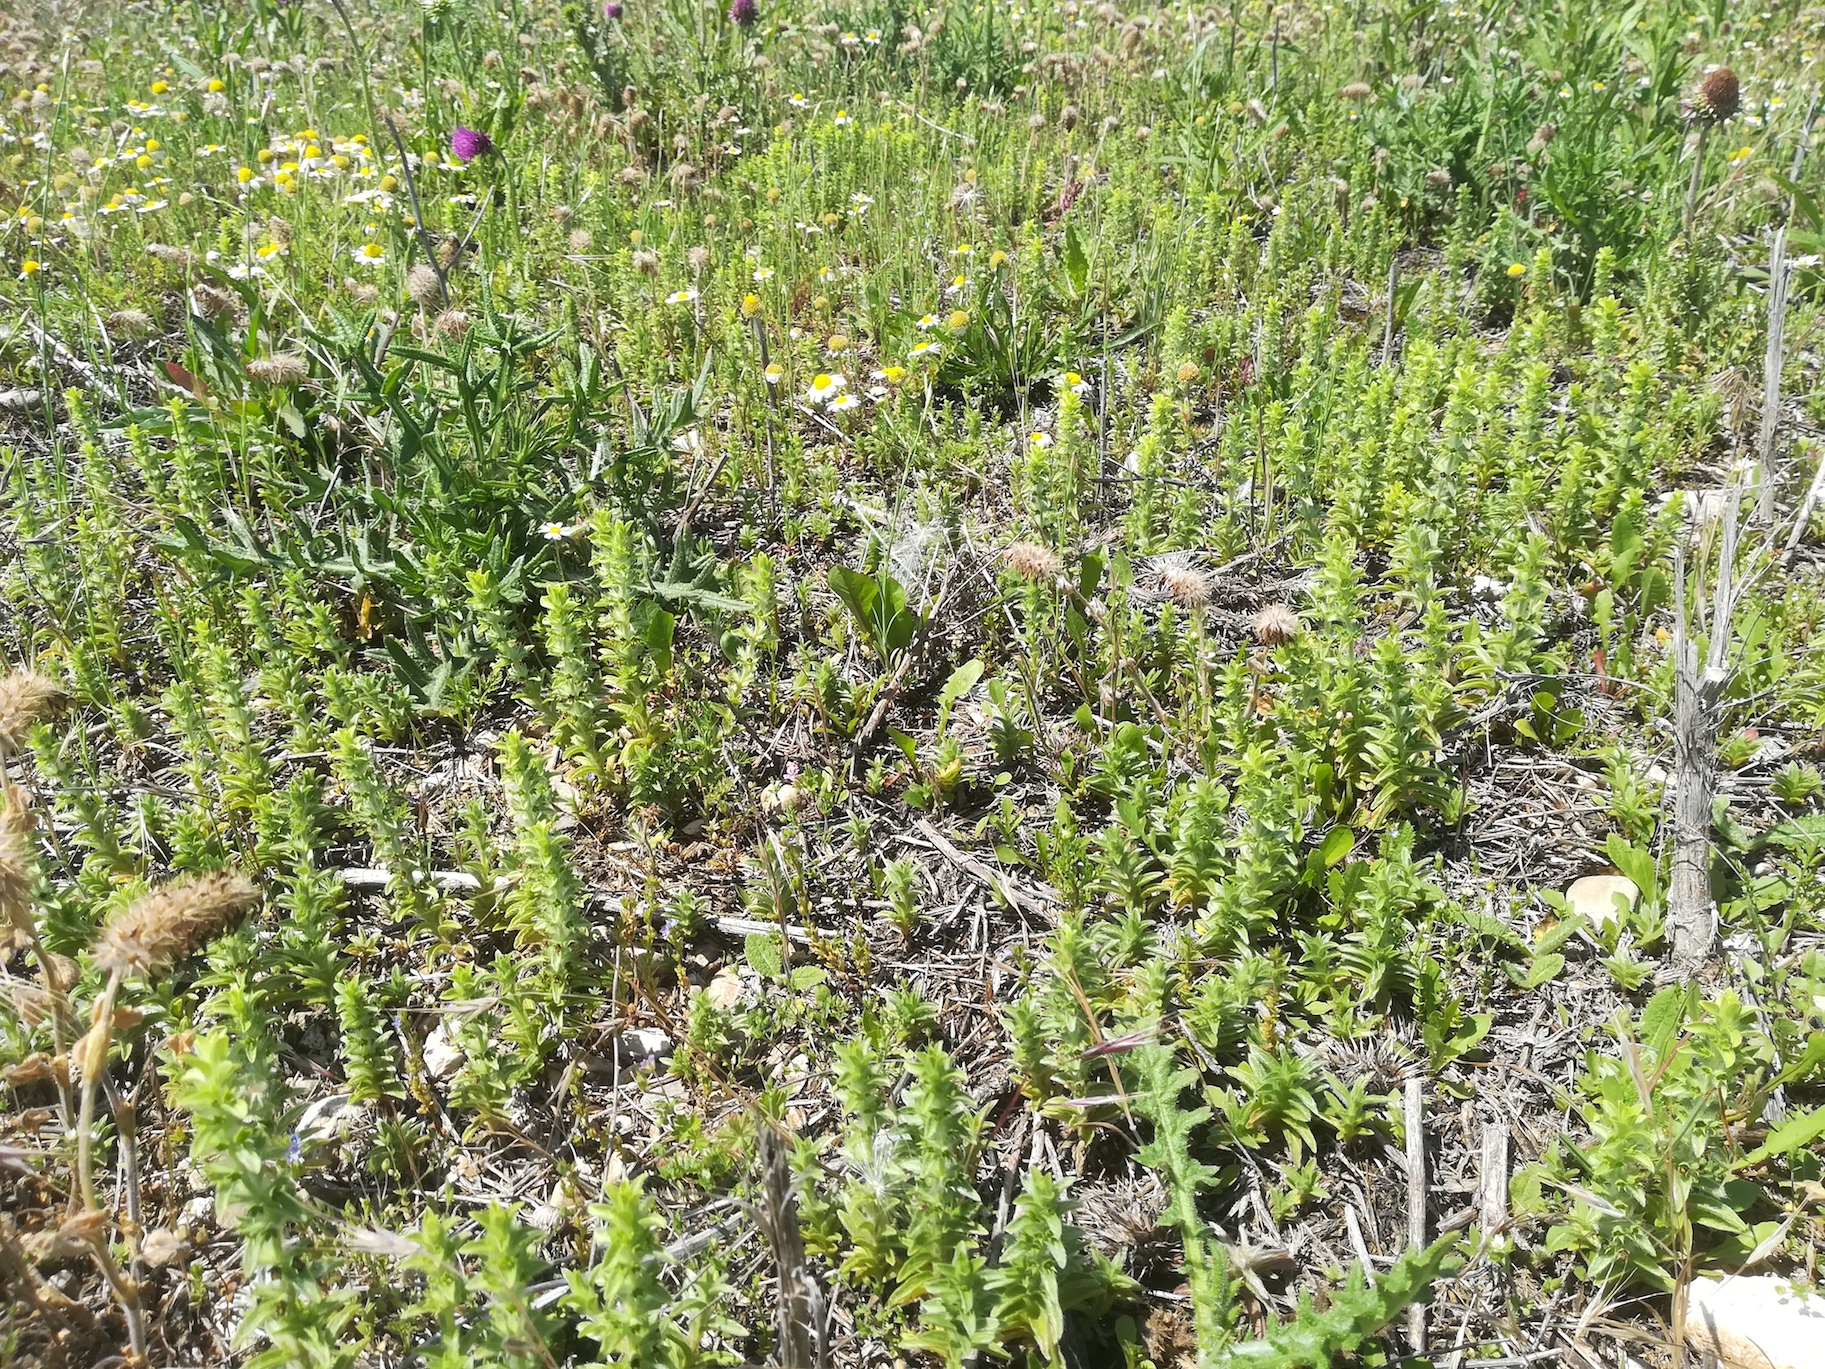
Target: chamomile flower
<point x="684" y="296"/>
<point x="369" y="254"/>
<point x="774" y="373"/>
<point x="1039" y="441"/>
<point x="764" y="273"/>
<point x="797" y="99"/>
<point x="962" y="249"/>
<point x="926" y="323"/>
<point x="1517" y="269"/>
<point x="925" y="349"/>
<point x="893" y="375"/>
<point x="1076" y="384"/>
<point x="553" y="532"/>
<point x="842" y="404"/>
<point x="825" y="387"/>
<point x="842" y="119"/>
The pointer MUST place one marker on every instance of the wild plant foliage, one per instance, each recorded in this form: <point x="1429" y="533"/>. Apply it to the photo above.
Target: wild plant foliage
<point x="1041" y="603"/>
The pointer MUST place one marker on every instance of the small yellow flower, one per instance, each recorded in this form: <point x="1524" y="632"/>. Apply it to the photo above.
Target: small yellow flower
<point x="893" y="375"/>
<point x="153" y="144"/>
<point x="1742" y="154"/>
<point x="750" y="306"/>
<point x="389" y="183"/>
<point x="958" y="321"/>
<point x="837" y="343"/>
<point x="263" y="155"/>
<point x="842" y="118"/>
<point x="1040" y="441"/>
<point x="143" y="162"/>
<point x="997" y="259"/>
<point x="1517" y="269"/>
<point x="159" y="87"/>
<point x="962" y="249"/>
<point x="636" y="237"/>
<point x="243" y="174"/>
<point x="216" y="85"/>
<point x="27" y="268"/>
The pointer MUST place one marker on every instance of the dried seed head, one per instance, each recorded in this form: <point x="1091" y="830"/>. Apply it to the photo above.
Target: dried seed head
<point x="1355" y="92"/>
<point x="1438" y="178"/>
<point x="1275" y="624"/>
<point x="156" y="931"/>
<point x="360" y="291"/>
<point x="181" y="257"/>
<point x="1067" y="118"/>
<point x="1189" y="587"/>
<point x="423" y="286"/>
<point x="18" y="863"/>
<point x="647" y="263"/>
<point x="214" y="305"/>
<point x="698" y="258"/>
<point x="452" y="324"/>
<point x="282" y="368"/>
<point x="279" y="231"/>
<point x="1031" y="561"/>
<point x="581" y="240"/>
<point x="131" y="322"/>
<point x="27" y="697"/>
<point x="1719" y="96"/>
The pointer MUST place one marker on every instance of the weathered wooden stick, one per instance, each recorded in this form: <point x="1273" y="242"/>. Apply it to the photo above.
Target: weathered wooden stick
<point x="1779" y="273"/>
<point x="779" y="1219"/>
<point x="1416" y="1200"/>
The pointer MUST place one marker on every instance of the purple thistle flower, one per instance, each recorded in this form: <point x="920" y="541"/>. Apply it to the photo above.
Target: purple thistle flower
<point x="743" y="12"/>
<point x="470" y="143"/>
<point x="611" y="11"/>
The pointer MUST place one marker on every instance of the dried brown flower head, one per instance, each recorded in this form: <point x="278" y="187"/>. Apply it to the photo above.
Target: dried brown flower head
<point x="1355" y="92"/>
<point x="131" y="322"/>
<point x="1276" y="623"/>
<point x="646" y="263"/>
<point x="26" y="697"/>
<point x="581" y="240"/>
<point x="1032" y="561"/>
<point x="279" y="231"/>
<point x="18" y="862"/>
<point x="165" y="926"/>
<point x="214" y="305"/>
<point x="282" y="368"/>
<point x="452" y="324"/>
<point x="1189" y="587"/>
<point x="181" y="257"/>
<point x="423" y="287"/>
<point x="1719" y="96"/>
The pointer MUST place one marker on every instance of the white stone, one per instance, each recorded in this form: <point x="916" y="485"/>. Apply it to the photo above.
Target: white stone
<point x="1759" y="1321"/>
<point x="443" y="1058"/>
<point x="1594" y="896"/>
<point x="330" y="1119"/>
<point x="646" y="1043"/>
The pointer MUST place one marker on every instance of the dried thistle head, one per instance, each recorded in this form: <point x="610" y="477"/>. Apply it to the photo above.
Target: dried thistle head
<point x="167" y="925"/>
<point x="452" y="324"/>
<point x="581" y="240"/>
<point x="1719" y="96"/>
<point x="130" y="322"/>
<point x="423" y="287"/>
<point x="282" y="368"/>
<point x="1189" y="587"/>
<point x="1356" y="92"/>
<point x="1032" y="561"/>
<point x="214" y="305"/>
<point x="1276" y="623"/>
<point x="181" y="257"/>
<point x="27" y="697"/>
<point x="18" y="862"/>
